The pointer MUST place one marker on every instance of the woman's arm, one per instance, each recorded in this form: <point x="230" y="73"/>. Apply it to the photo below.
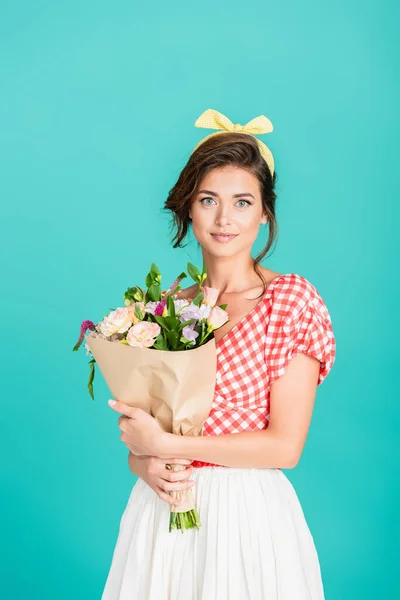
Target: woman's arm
<point x="281" y="445"/>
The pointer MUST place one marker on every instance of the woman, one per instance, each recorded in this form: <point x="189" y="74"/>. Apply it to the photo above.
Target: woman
<point x="278" y="346"/>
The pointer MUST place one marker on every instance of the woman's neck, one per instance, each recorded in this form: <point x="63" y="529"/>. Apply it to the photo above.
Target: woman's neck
<point x="230" y="274"/>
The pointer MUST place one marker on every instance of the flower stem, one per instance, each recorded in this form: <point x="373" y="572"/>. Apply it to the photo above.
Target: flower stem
<point x="186" y="520"/>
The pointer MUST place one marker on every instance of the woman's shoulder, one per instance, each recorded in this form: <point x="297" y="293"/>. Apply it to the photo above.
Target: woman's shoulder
<point x="293" y="284"/>
<point x="292" y="292"/>
<point x="299" y="322"/>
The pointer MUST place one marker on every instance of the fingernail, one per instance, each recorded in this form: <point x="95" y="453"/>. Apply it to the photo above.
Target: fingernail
<point x="112" y="402"/>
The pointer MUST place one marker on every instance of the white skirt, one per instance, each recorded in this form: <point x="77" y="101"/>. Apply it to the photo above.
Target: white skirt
<point x="253" y="543"/>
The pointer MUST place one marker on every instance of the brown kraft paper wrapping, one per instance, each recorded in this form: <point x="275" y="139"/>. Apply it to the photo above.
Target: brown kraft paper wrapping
<point x="176" y="388"/>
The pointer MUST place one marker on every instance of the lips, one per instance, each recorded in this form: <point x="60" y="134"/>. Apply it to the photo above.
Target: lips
<point x="223" y="238"/>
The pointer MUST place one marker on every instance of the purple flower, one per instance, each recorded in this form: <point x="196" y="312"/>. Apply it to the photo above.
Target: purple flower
<point x="175" y="284"/>
<point x="189" y="333"/>
<point x="84" y="327"/>
<point x="160" y="307"/>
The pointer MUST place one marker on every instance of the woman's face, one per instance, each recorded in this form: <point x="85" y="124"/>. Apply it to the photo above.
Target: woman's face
<point x="227" y="211"/>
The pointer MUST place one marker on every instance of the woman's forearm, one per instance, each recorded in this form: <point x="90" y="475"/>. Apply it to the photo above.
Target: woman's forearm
<point x="250" y="449"/>
<point x="135" y="464"/>
<point x="132" y="463"/>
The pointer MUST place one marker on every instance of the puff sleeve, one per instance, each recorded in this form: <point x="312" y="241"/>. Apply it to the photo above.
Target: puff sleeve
<point x="299" y="322"/>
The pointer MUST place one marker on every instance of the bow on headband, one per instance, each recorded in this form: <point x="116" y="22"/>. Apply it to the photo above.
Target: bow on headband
<point x="212" y="119"/>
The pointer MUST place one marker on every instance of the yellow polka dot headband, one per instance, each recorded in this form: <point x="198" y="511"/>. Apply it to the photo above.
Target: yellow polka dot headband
<point x="212" y="119"/>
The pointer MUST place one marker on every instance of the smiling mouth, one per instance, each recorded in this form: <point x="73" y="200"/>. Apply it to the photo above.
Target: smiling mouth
<point x="224" y="237"/>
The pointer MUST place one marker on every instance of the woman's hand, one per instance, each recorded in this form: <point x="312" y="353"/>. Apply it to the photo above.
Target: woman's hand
<point x="141" y="433"/>
<point x="152" y="470"/>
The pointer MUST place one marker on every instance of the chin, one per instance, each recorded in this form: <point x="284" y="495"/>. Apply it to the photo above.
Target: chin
<point x="223" y="250"/>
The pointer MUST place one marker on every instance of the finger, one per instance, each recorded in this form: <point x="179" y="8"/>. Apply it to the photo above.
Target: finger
<point x="179" y="486"/>
<point x="177" y="475"/>
<point x="177" y="461"/>
<point x="170" y="499"/>
<point x="129" y="411"/>
<point x="123" y="421"/>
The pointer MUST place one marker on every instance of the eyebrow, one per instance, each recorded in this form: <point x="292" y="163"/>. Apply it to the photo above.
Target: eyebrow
<point x="234" y="195"/>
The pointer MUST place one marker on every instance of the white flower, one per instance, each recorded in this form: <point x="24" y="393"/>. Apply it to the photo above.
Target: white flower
<point x="179" y="304"/>
<point x="150" y="307"/>
<point x="194" y="312"/>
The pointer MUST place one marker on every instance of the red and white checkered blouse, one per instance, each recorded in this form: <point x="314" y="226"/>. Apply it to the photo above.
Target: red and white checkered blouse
<point x="290" y="319"/>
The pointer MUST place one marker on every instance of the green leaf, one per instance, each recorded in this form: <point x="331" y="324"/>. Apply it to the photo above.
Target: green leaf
<point x="154" y="293"/>
<point x="183" y="325"/>
<point x="194" y="272"/>
<point x="91" y="377"/>
<point x="149" y="280"/>
<point x="187" y="342"/>
<point x="161" y="322"/>
<point x="172" y="322"/>
<point x="170" y="306"/>
<point x="134" y="294"/>
<point x="223" y="306"/>
<point x="154" y="270"/>
<point x="158" y="346"/>
<point x="160" y="343"/>
<point x="173" y="338"/>
<point x="138" y="294"/>
<point x="139" y="313"/>
<point x="197" y="301"/>
<point x="168" y="323"/>
<point x="155" y="273"/>
<point x="164" y="333"/>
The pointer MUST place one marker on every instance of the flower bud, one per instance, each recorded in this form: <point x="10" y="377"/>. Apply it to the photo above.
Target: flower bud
<point x="217" y="318"/>
<point x="210" y="296"/>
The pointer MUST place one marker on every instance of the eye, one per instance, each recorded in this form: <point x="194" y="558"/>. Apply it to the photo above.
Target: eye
<point x="204" y="201"/>
<point x="245" y="203"/>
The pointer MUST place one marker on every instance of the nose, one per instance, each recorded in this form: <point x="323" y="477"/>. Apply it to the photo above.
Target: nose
<point x="222" y="218"/>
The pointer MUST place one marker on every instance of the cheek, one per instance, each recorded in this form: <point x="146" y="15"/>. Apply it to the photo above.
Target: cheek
<point x="201" y="218"/>
<point x="249" y="222"/>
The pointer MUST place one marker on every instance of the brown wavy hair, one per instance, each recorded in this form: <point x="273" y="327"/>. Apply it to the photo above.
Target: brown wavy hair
<point x="224" y="149"/>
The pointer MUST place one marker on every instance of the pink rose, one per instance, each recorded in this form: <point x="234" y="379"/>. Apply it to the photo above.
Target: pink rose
<point x="117" y="321"/>
<point x="217" y="318"/>
<point x="143" y="335"/>
<point x="210" y="296"/>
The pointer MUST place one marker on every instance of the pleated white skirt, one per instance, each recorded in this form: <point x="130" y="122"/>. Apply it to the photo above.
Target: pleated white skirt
<point x="253" y="544"/>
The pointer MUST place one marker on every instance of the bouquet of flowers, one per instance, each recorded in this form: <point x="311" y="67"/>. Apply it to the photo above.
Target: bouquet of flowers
<point x="158" y="353"/>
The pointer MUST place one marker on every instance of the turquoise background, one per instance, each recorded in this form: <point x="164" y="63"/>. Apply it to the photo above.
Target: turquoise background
<point x="97" y="106"/>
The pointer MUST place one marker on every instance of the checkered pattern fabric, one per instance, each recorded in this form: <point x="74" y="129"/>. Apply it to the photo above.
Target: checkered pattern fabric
<point x="290" y="319"/>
